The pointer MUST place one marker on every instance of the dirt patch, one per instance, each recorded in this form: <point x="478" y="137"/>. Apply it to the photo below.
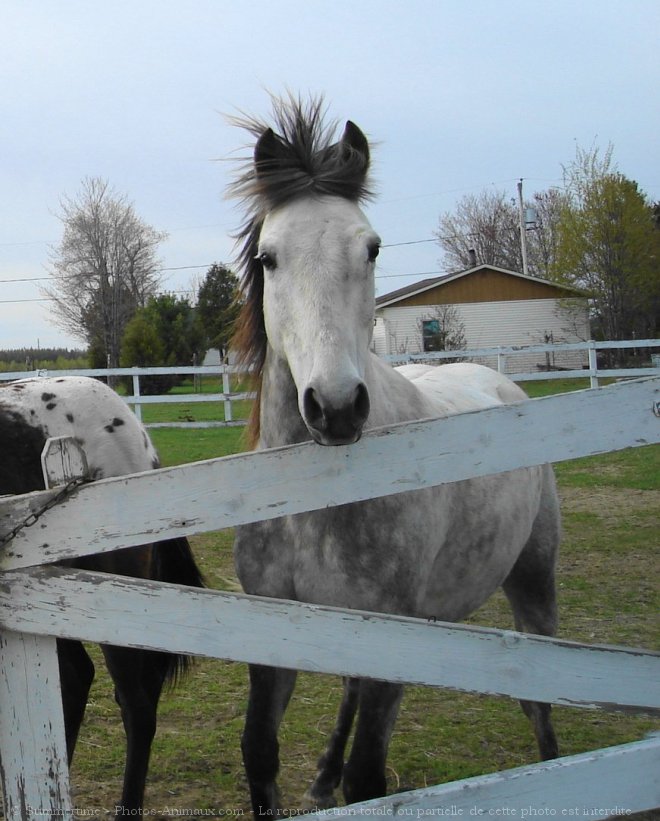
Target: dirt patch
<point x="608" y="502"/>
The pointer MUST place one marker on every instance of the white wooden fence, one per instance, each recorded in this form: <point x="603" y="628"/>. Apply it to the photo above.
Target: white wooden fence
<point x="137" y="399"/>
<point x="502" y="357"/>
<point x="39" y="602"/>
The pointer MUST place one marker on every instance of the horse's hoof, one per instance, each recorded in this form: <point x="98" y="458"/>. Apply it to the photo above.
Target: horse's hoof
<point x="312" y="802"/>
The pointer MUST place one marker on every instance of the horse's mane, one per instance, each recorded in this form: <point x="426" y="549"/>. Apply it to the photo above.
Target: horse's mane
<point x="304" y="158"/>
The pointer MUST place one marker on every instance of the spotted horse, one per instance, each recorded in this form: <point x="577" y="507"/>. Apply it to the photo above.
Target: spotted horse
<point x="115" y="443"/>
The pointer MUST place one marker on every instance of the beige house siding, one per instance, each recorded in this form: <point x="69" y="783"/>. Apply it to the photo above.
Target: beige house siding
<point x="492" y="323"/>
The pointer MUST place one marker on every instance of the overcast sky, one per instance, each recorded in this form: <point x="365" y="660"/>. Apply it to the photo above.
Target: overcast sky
<point x="460" y="95"/>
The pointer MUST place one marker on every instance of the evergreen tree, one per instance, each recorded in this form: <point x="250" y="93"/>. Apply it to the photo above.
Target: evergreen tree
<point x="217" y="306"/>
<point x="163" y="333"/>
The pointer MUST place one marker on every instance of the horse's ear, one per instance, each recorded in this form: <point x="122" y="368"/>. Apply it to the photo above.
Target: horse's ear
<point x="353" y="140"/>
<point x="268" y="151"/>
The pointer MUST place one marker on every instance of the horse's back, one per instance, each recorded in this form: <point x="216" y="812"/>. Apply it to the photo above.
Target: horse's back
<point x="463" y="386"/>
<point x="114" y="441"/>
<point x="494" y="517"/>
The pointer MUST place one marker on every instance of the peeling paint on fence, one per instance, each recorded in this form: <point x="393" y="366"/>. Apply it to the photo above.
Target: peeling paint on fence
<point x="39" y="603"/>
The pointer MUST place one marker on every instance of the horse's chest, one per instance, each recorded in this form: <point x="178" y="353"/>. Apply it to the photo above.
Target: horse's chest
<point x="370" y="556"/>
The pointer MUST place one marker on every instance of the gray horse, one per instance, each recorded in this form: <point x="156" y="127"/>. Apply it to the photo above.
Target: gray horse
<point x="308" y="258"/>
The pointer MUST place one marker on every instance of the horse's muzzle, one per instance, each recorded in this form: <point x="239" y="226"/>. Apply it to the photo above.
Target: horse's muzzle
<point x="332" y="423"/>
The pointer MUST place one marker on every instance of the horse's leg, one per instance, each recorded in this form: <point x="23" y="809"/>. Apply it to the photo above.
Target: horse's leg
<point x="530" y="588"/>
<point x="525" y="595"/>
<point x="331" y="764"/>
<point x="364" y="773"/>
<point x="76" y="677"/>
<point x="270" y="691"/>
<point x="138" y="676"/>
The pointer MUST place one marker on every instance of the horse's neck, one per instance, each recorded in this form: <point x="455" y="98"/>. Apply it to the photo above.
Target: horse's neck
<point x="393" y="397"/>
<point x="280" y="422"/>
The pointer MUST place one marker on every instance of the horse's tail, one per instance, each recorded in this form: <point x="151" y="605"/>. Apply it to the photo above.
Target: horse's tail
<point x="174" y="562"/>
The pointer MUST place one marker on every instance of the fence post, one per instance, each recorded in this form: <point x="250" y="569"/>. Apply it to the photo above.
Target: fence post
<point x="593" y="364"/>
<point x="225" y="390"/>
<point x="35" y="773"/>
<point x="501" y="361"/>
<point x="137" y="408"/>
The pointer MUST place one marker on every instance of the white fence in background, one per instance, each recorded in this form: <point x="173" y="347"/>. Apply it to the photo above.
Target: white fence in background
<point x="137" y="399"/>
<point x="503" y="358"/>
<point x="40" y="601"/>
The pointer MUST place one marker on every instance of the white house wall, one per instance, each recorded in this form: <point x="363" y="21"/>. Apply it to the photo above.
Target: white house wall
<point x="487" y="324"/>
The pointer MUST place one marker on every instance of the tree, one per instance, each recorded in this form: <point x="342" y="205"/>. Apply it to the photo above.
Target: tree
<point x="141" y="344"/>
<point x="608" y="245"/>
<point x="542" y="240"/>
<point x="217" y="306"/>
<point x="164" y="332"/>
<point x="486" y="225"/>
<point x="485" y="229"/>
<point x="104" y="268"/>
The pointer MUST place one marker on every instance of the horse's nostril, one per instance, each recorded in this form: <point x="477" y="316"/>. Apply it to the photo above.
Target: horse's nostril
<point x="361" y="404"/>
<point x="314" y="415"/>
<point x="336" y="422"/>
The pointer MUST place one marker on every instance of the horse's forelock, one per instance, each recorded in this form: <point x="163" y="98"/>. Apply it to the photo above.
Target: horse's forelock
<point x="306" y="158"/>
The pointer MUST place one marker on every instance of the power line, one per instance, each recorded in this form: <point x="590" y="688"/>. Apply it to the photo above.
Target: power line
<point x="26" y="279"/>
<point x="208" y="265"/>
<point x="187" y="290"/>
<point x="42" y="279"/>
<point x="15" y="301"/>
<point x="412" y="242"/>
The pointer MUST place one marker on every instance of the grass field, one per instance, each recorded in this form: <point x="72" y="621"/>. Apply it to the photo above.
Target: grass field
<point x="199" y="411"/>
<point x="608" y="593"/>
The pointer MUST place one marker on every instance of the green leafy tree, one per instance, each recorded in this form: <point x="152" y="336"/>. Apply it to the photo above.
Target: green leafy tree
<point x="142" y="345"/>
<point x="609" y="246"/>
<point x="162" y="333"/>
<point x="217" y="306"/>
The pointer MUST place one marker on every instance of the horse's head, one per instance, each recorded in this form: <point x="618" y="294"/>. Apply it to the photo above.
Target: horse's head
<point x="317" y="253"/>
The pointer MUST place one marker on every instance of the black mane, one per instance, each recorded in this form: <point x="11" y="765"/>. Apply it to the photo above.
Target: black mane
<point x="298" y="154"/>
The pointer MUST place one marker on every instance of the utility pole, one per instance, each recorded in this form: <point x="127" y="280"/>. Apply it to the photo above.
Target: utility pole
<point x="523" y="228"/>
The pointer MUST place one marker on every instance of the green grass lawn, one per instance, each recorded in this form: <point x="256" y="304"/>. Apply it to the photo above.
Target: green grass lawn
<point x="607" y="594"/>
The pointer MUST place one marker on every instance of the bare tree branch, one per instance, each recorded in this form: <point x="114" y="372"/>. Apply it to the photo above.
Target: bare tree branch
<point x="104" y="267"/>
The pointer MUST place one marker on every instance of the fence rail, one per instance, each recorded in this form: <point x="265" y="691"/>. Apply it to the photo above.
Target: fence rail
<point x="236" y="490"/>
<point x="504" y="354"/>
<point x="137" y="399"/>
<point x="227" y="373"/>
<point x="38" y="603"/>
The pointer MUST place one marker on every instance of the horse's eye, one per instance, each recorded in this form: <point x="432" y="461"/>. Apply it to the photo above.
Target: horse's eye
<point x="374" y="250"/>
<point x="267" y="260"/>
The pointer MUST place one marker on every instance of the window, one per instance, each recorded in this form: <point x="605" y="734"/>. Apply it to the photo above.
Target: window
<point x="432" y="336"/>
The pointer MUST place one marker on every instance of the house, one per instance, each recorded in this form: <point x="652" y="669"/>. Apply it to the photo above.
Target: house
<point x="482" y="307"/>
<point x="212" y="358"/>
